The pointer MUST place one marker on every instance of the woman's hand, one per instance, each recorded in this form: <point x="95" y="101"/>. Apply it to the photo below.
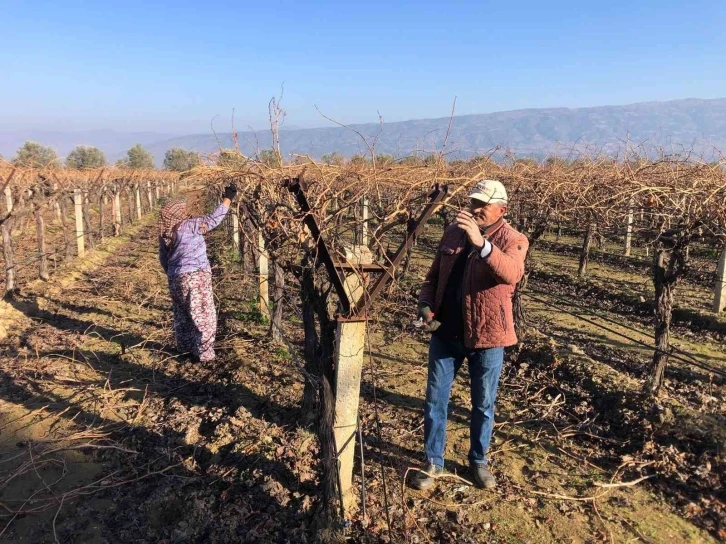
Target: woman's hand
<point x="230" y="191"/>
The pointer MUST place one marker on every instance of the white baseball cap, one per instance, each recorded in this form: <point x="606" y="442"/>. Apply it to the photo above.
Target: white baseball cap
<point x="489" y="190"/>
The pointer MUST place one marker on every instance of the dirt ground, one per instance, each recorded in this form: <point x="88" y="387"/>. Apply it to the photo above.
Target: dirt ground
<point x="107" y="436"/>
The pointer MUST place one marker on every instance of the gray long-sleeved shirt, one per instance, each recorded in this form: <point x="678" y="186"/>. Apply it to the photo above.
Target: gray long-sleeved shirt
<point x="189" y="254"/>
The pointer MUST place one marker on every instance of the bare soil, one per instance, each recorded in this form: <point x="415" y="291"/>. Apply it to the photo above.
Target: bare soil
<point x="123" y="441"/>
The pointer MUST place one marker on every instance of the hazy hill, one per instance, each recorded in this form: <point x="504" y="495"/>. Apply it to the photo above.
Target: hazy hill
<point x="696" y="123"/>
<point x="536" y="132"/>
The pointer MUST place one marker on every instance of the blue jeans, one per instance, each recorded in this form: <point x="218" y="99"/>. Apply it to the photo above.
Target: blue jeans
<point x="485" y="366"/>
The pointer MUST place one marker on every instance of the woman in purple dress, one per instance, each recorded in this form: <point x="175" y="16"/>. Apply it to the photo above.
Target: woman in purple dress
<point x="183" y="255"/>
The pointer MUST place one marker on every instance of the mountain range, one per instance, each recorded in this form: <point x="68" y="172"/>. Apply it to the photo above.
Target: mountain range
<point x="692" y="123"/>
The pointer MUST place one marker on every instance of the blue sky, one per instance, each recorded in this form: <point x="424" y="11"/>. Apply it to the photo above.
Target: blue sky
<point x="173" y="66"/>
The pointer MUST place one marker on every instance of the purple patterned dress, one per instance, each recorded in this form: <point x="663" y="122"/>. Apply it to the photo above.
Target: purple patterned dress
<point x="190" y="284"/>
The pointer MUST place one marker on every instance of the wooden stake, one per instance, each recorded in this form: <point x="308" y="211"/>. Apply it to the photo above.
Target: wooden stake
<point x="63" y="205"/>
<point x="131" y="206"/>
<point x="278" y="293"/>
<point x="87" y="221"/>
<point x="585" y="252"/>
<point x="101" y="217"/>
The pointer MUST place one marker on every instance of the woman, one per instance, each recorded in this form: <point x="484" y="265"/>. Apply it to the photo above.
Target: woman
<point x="183" y="255"/>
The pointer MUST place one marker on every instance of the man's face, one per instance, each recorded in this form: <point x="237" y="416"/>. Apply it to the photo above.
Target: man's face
<point x="486" y="214"/>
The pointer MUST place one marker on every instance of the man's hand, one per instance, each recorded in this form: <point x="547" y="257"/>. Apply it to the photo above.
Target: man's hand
<point x="467" y="223"/>
<point x="426" y="315"/>
<point x="425" y="312"/>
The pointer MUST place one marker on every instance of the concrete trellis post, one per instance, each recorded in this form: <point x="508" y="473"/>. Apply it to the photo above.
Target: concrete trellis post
<point x="263" y="277"/>
<point x="235" y="230"/>
<point x="56" y="206"/>
<point x="149" y="195"/>
<point x="364" y="226"/>
<point x="349" y="352"/>
<point x="8" y="254"/>
<point x="8" y="199"/>
<point x="116" y="212"/>
<point x="356" y="301"/>
<point x="719" y="299"/>
<point x="43" y="256"/>
<point x="138" y="202"/>
<point x="23" y="196"/>
<point x="629" y="233"/>
<point x="7" y="237"/>
<point x="78" y="204"/>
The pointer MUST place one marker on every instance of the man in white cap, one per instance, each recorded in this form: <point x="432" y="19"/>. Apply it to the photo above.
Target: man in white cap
<point x="466" y="302"/>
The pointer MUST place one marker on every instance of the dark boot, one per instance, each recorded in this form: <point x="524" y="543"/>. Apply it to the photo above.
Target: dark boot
<point x="481" y="476"/>
<point x="426" y="477"/>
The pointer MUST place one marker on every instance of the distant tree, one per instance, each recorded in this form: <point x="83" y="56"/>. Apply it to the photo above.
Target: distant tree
<point x="180" y="160"/>
<point x="85" y="157"/>
<point x="384" y="159"/>
<point x="270" y="158"/>
<point x="34" y="155"/>
<point x="137" y="158"/>
<point x="556" y="161"/>
<point x="359" y="160"/>
<point x="231" y="158"/>
<point x="526" y="161"/>
<point x="412" y="160"/>
<point x="333" y="158"/>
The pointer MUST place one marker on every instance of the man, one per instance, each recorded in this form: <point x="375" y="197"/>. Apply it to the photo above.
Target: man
<point x="466" y="302"/>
